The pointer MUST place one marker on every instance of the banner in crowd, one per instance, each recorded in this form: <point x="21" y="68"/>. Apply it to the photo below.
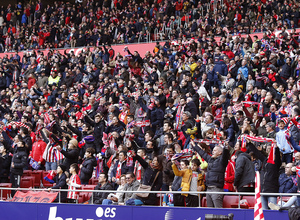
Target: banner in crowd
<point x="37" y="211"/>
<point x="34" y="197"/>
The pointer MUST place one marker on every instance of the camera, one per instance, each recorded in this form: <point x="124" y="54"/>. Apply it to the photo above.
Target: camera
<point x="219" y="217"/>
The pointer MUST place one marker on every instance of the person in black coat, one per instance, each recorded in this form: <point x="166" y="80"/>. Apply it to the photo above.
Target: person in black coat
<point x="154" y="113"/>
<point x="217" y="164"/>
<point x="150" y="171"/>
<point x="71" y="154"/>
<point x="18" y="163"/>
<point x="2" y="82"/>
<point x="99" y="128"/>
<point x="269" y="174"/>
<point x="5" y="161"/>
<point x="191" y="107"/>
<point x="103" y="184"/>
<point x="87" y="167"/>
<point x="116" y="126"/>
<point x="26" y="138"/>
<point x="244" y="172"/>
<point x="60" y="183"/>
<point x="84" y="137"/>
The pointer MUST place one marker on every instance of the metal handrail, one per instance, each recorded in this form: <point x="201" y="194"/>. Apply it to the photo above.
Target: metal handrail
<point x="158" y="192"/>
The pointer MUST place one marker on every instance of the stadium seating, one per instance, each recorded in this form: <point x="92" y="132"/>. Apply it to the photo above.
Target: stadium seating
<point x="37" y="177"/>
<point x="27" y="182"/>
<point x="93" y="181"/>
<point x="6" y="193"/>
<point x="250" y="201"/>
<point x="85" y="196"/>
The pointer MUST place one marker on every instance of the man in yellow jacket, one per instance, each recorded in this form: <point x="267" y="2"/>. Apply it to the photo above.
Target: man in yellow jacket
<point x="192" y="181"/>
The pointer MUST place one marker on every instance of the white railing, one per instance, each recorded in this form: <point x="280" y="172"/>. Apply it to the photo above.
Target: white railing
<point x="160" y="193"/>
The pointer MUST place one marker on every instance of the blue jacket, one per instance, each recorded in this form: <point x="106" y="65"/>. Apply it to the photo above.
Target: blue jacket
<point x="24" y="19"/>
<point x="287" y="184"/>
<point x="220" y="67"/>
<point x="244" y="71"/>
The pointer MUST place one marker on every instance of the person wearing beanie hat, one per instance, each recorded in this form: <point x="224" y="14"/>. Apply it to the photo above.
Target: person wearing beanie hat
<point x="71" y="154"/>
<point x="60" y="183"/>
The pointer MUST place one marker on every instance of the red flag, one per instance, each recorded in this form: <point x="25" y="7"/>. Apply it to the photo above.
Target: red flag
<point x="258" y="211"/>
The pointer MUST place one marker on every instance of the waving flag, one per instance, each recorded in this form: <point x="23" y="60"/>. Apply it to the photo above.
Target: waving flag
<point x="258" y="211"/>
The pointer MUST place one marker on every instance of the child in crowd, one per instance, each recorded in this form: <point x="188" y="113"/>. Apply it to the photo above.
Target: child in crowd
<point x="73" y="183"/>
<point x="192" y="180"/>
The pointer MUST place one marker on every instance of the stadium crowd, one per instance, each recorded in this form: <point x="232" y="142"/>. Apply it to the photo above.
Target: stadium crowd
<point x="191" y="115"/>
<point x="64" y="25"/>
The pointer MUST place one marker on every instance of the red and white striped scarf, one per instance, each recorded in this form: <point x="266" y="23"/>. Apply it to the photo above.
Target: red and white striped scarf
<point x="138" y="170"/>
<point x="119" y="169"/>
<point x="141" y="124"/>
<point x="209" y="141"/>
<point x="18" y="124"/>
<point x="271" y="158"/>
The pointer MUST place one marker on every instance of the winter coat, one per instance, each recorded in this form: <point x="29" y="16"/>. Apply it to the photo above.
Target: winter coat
<point x="129" y="187"/>
<point x="61" y="184"/>
<point x="149" y="176"/>
<point x="87" y="169"/>
<point x="99" y="128"/>
<point x="216" y="167"/>
<point x="71" y="156"/>
<point x="20" y="161"/>
<point x="28" y="143"/>
<point x="5" y="162"/>
<point x="270" y="172"/>
<point x="244" y="170"/>
<point x="187" y="175"/>
<point x="286" y="71"/>
<point x="168" y="174"/>
<point x="295" y="132"/>
<point x="124" y="169"/>
<point x="287" y="183"/>
<point x="98" y="197"/>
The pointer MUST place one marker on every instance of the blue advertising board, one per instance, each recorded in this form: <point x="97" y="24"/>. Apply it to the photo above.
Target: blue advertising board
<point x="52" y="211"/>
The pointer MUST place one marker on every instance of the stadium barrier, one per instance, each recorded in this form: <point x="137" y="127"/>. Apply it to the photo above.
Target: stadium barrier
<point x="58" y="211"/>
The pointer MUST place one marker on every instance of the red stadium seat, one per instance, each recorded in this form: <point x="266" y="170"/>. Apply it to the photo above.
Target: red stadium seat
<point x="93" y="181"/>
<point x="250" y="200"/>
<point x="27" y="182"/>
<point x="230" y="201"/>
<point x="87" y="195"/>
<point x="27" y="173"/>
<point x="6" y="193"/>
<point x="38" y="177"/>
<point x="204" y="203"/>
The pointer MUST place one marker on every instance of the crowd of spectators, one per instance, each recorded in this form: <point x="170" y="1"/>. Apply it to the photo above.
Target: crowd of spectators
<point x="63" y="25"/>
<point x="230" y="108"/>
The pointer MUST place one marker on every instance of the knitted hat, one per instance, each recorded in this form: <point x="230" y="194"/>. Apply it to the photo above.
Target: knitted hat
<point x="284" y="120"/>
<point x="63" y="167"/>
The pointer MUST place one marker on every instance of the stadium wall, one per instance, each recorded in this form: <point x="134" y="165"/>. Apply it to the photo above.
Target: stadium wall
<point x="52" y="211"/>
